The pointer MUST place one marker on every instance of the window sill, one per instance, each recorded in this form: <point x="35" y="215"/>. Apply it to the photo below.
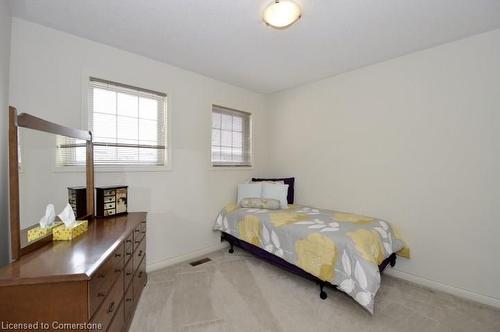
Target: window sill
<point x="231" y="168"/>
<point x="113" y="169"/>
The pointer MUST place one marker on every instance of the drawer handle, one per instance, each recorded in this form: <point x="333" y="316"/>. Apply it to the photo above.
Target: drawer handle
<point x="137" y="230"/>
<point x="128" y="241"/>
<point x="111" y="307"/>
<point x="100" y="294"/>
<point x="128" y="253"/>
<point x="128" y="299"/>
<point x="118" y="255"/>
<point x="137" y="241"/>
<point x="140" y="253"/>
<point x="128" y="273"/>
<point x="140" y="275"/>
<point x="118" y="270"/>
<point x="102" y="275"/>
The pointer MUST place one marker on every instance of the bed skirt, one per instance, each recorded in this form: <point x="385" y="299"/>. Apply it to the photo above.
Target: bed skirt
<point x="281" y="263"/>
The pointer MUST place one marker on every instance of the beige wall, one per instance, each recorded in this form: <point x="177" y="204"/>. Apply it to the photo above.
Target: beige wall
<point x="416" y="141"/>
<point x="48" y="70"/>
<point x="5" y="27"/>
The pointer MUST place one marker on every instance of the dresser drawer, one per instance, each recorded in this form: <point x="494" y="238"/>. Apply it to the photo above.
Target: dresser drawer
<point x="110" y="305"/>
<point x="109" y="212"/>
<point x="109" y="199"/>
<point x="129" y="303"/>
<point x="109" y="192"/>
<point x="129" y="247"/>
<point x="139" y="233"/>
<point x="129" y="273"/>
<point x="139" y="254"/>
<point x="140" y="279"/>
<point x="104" y="277"/>
<point x="109" y="206"/>
<point x="118" y="257"/>
<point x="118" y="323"/>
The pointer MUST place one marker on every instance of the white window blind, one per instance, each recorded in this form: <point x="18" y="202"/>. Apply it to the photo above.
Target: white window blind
<point x="231" y="137"/>
<point x="128" y="125"/>
<point x="70" y="151"/>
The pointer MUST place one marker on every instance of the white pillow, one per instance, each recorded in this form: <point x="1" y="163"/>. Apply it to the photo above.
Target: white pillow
<point x="276" y="191"/>
<point x="277" y="182"/>
<point x="249" y="190"/>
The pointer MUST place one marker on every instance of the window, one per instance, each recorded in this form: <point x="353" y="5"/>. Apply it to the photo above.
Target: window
<point x="231" y="137"/>
<point x="128" y="126"/>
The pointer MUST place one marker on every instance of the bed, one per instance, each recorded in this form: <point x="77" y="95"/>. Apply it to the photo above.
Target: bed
<point x="333" y="248"/>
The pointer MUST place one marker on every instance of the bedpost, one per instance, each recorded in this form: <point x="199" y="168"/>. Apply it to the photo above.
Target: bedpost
<point x="231" y="246"/>
<point x="393" y="259"/>
<point x="322" y="293"/>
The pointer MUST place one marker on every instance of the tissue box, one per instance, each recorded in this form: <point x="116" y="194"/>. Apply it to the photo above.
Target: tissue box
<point x="61" y="233"/>
<point x="38" y="232"/>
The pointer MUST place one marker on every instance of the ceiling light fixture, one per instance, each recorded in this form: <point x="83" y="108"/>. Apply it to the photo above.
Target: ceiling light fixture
<point x="282" y="14"/>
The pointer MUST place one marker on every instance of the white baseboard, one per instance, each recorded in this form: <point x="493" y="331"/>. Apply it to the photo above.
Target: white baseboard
<point x="435" y="285"/>
<point x="158" y="265"/>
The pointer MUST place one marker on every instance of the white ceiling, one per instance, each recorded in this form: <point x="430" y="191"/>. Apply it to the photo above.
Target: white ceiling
<point x="226" y="39"/>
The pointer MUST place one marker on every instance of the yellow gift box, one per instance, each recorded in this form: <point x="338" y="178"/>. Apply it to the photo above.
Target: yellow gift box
<point x="61" y="233"/>
<point x="38" y="232"/>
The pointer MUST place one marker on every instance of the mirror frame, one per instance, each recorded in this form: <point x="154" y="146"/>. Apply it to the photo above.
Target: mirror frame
<point x="25" y="120"/>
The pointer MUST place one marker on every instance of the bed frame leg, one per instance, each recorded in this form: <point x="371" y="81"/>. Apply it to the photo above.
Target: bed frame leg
<point x="393" y="260"/>
<point x="322" y="293"/>
<point x="223" y="238"/>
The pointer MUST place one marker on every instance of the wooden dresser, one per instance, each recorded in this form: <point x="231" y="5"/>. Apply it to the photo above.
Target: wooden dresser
<point x="96" y="278"/>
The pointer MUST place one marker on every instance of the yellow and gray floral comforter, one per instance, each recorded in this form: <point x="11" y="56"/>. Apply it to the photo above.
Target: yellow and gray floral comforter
<point x="344" y="249"/>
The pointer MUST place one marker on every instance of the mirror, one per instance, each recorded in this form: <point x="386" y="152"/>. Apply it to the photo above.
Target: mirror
<point x="42" y="180"/>
<point x="35" y="179"/>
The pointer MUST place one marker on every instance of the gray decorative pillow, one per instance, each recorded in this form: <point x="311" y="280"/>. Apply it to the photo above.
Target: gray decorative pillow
<point x="260" y="203"/>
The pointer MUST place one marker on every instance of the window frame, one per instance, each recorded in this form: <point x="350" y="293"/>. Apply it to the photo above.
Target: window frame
<point x="85" y="117"/>
<point x="229" y="165"/>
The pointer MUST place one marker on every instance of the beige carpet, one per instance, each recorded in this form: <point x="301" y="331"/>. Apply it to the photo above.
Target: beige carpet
<point x="240" y="293"/>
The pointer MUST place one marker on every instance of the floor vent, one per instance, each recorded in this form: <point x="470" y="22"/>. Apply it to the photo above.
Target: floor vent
<point x="200" y="261"/>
